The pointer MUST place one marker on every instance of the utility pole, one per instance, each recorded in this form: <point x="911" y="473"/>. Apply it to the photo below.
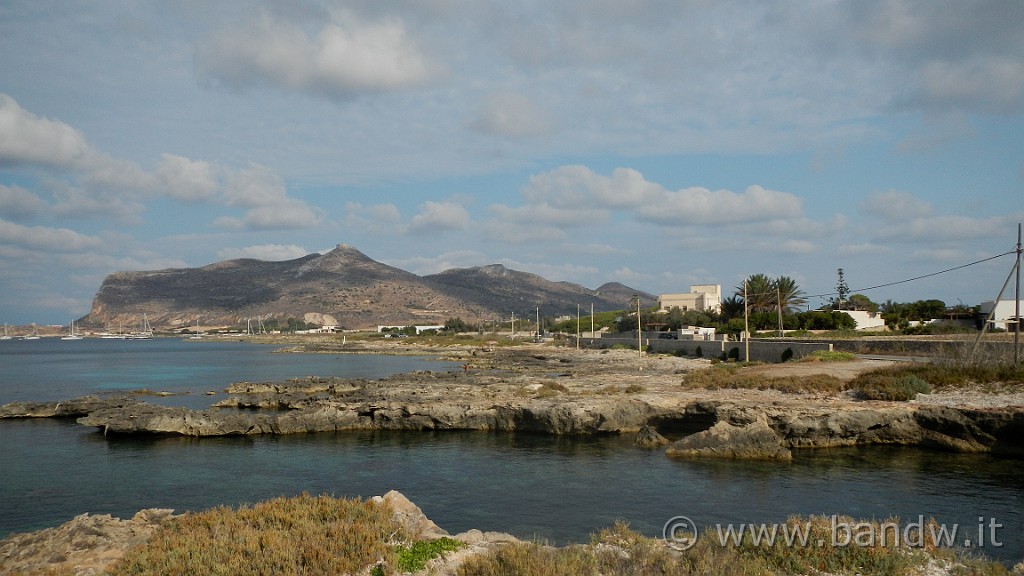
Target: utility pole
<point x="538" y="323"/>
<point x="591" y="319"/>
<point x="577" y="327"/>
<point x="513" y="325"/>
<point x="746" y="324"/>
<point x="778" y="294"/>
<point x="1016" y="312"/>
<point x="639" y="334"/>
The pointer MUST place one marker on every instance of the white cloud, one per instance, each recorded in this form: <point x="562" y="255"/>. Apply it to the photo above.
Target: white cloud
<point x="263" y="192"/>
<point x="579" y="187"/>
<point x="863" y="249"/>
<point x="31" y="139"/>
<point x="511" y="115"/>
<point x="700" y="206"/>
<point x="46" y="238"/>
<point x="187" y="180"/>
<point x="895" y="205"/>
<point x="343" y="57"/>
<point x="17" y="203"/>
<point x="273" y="252"/>
<point x="437" y="216"/>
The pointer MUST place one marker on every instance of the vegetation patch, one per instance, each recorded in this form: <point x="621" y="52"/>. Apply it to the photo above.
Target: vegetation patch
<point x="308" y="535"/>
<point x="921" y="378"/>
<point x="414" y="557"/>
<point x="828" y="356"/>
<point x="731" y="376"/>
<point x="619" y="551"/>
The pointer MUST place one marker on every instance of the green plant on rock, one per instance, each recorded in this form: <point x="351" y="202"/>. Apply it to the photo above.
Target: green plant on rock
<point x="414" y="557"/>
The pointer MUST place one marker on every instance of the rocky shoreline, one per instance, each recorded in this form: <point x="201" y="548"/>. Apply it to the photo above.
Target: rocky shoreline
<point x="578" y="392"/>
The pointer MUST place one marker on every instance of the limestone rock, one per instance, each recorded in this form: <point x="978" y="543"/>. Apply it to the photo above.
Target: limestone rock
<point x="648" y="437"/>
<point x="725" y="440"/>
<point x="411" y="516"/>
<point x="84" y="546"/>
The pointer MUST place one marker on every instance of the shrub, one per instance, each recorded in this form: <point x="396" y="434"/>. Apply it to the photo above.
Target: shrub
<point x="309" y="535"/>
<point x="828" y="356"/>
<point x="414" y="557"/>
<point x="894" y="387"/>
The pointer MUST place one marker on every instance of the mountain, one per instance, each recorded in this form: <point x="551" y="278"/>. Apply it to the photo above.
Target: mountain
<point x="343" y="287"/>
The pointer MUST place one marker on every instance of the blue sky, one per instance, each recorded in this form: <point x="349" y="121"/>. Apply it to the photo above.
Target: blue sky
<point x="655" y="143"/>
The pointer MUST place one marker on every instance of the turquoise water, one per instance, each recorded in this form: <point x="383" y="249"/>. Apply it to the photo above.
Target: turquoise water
<point x="561" y="489"/>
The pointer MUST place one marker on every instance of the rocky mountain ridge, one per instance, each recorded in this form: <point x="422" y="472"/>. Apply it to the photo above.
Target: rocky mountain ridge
<point x="341" y="287"/>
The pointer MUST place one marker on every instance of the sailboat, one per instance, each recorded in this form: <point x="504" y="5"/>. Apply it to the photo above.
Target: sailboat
<point x="145" y="333"/>
<point x="34" y="335"/>
<point x="72" y="335"/>
<point x="6" y="336"/>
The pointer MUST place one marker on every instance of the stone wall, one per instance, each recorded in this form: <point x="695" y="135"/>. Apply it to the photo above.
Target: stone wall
<point x="760" y="350"/>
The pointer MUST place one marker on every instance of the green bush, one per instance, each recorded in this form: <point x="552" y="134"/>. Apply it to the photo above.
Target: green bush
<point x="900" y="388"/>
<point x="414" y="558"/>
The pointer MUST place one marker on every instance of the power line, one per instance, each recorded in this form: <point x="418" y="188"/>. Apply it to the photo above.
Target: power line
<point x="886" y="285"/>
<point x="919" y="277"/>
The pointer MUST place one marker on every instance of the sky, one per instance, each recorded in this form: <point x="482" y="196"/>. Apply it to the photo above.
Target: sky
<point x="655" y="143"/>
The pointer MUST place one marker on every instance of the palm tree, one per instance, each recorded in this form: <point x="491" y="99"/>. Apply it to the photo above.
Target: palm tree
<point x="765" y="294"/>
<point x="732" y="307"/>
<point x="760" y="293"/>
<point x="789" y="295"/>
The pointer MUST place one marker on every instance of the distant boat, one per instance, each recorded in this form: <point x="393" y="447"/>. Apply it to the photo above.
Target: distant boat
<point x="6" y="336"/>
<point x="145" y="332"/>
<point x="72" y="335"/>
<point x="34" y="335"/>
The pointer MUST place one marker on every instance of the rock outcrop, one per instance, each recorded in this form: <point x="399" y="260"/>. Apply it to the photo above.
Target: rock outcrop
<point x="85" y="545"/>
<point x="573" y="393"/>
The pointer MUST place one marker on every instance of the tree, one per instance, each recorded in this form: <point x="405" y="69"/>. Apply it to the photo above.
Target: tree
<point x="862" y="302"/>
<point x="732" y="307"/>
<point x="456" y="325"/>
<point x="759" y="293"/>
<point x="842" y="290"/>
<point x="766" y="295"/>
<point x="790" y="296"/>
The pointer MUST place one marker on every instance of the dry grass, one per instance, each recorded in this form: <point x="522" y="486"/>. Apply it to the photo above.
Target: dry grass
<point x="731" y="376"/>
<point x="304" y="535"/>
<point x="618" y="551"/>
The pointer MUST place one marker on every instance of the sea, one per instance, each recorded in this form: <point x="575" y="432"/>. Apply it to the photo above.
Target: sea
<point x="554" y="489"/>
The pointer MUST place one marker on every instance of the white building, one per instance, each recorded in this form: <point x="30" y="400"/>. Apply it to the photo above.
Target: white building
<point x="701" y="297"/>
<point x="866" y="320"/>
<point x="1005" y="311"/>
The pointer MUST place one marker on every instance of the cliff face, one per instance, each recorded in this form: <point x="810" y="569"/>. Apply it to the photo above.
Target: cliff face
<point x="343" y="285"/>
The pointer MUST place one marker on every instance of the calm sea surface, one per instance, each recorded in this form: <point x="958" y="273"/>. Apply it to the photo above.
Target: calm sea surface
<point x="561" y="489"/>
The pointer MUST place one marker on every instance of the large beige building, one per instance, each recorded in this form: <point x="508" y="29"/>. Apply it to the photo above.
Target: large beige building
<point x="701" y="297"/>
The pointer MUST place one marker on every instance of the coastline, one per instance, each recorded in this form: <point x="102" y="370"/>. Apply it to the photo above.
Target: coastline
<point x="564" y="391"/>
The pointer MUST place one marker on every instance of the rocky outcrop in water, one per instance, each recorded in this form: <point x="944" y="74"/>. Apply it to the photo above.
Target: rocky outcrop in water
<point x="575" y="393"/>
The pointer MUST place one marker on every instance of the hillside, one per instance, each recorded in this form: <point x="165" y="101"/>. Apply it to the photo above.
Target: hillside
<point x="343" y="286"/>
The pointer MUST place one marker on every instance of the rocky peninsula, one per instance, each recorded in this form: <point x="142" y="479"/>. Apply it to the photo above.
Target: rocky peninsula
<point x="566" y="391"/>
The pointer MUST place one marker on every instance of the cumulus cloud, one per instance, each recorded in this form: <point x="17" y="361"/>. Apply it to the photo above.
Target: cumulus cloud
<point x="273" y="252"/>
<point x="343" y="57"/>
<point x="436" y="216"/>
<point x="700" y="206"/>
<point x="187" y="180"/>
<point x="895" y="205"/>
<point x="580" y="188"/>
<point x="31" y="139"/>
<point x="265" y="196"/>
<point x="511" y="115"/>
<point x="46" y="238"/>
<point x="17" y="203"/>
